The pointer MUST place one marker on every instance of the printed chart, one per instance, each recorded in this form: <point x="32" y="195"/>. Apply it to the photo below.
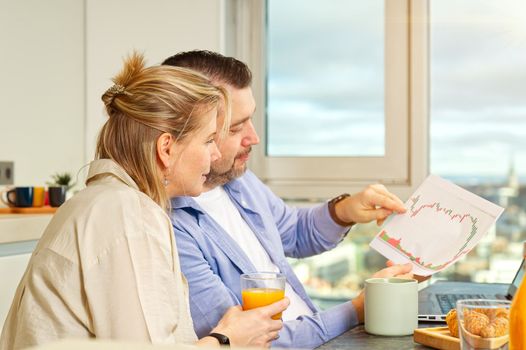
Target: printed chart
<point x="443" y="222"/>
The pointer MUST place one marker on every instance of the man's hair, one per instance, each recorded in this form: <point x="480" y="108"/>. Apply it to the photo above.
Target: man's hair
<point x="216" y="67"/>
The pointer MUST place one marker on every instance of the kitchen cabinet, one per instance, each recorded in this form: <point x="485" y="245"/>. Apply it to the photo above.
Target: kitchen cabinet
<point x="19" y="235"/>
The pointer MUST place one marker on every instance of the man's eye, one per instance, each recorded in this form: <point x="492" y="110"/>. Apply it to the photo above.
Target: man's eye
<point x="210" y="141"/>
<point x="235" y="131"/>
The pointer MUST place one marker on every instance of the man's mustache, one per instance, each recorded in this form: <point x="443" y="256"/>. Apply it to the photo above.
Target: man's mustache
<point x="244" y="153"/>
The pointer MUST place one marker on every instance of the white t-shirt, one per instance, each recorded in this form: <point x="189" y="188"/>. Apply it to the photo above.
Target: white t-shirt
<point x="219" y="206"/>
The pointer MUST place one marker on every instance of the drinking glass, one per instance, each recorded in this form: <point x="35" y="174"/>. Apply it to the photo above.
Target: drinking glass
<point x="261" y="289"/>
<point x="483" y="323"/>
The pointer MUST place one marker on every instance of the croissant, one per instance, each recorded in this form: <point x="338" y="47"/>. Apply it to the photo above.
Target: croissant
<point x="452" y="323"/>
<point x="487" y="323"/>
<point x="475" y="321"/>
<point x="494" y="313"/>
<point x="498" y="327"/>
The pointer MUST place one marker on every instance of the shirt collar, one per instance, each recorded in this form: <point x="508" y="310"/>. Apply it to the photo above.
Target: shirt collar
<point x="108" y="166"/>
<point x="183" y="202"/>
<point x="234" y="186"/>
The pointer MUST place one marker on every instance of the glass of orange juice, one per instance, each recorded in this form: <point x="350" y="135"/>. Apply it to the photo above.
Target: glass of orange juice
<point x="261" y="289"/>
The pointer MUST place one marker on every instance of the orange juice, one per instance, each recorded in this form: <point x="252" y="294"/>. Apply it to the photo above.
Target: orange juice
<point x="518" y="319"/>
<point x="257" y="297"/>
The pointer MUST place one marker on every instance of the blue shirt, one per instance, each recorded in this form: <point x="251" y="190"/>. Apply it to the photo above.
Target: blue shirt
<point x="212" y="261"/>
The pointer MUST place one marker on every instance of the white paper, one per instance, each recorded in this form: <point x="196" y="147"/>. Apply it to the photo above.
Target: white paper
<point x="443" y="222"/>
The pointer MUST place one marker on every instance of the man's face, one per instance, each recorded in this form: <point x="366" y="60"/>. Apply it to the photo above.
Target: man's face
<point x="236" y="145"/>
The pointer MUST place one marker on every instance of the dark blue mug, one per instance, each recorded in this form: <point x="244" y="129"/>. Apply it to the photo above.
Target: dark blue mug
<point x="20" y="197"/>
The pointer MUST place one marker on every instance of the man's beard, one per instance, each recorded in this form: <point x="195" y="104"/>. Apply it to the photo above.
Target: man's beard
<point x="216" y="178"/>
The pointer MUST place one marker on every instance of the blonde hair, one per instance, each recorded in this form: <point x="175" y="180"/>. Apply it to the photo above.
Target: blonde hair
<point x="146" y="102"/>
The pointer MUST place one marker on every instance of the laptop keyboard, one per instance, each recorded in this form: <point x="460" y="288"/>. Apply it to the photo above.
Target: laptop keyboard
<point x="448" y="301"/>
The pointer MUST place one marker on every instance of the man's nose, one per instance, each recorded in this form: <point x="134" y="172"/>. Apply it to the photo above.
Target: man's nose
<point x="251" y="136"/>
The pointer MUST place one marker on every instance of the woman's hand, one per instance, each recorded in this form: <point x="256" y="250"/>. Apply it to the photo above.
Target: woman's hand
<point x="252" y="327"/>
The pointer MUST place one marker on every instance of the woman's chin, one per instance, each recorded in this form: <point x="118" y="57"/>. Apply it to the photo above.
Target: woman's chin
<point x="192" y="191"/>
<point x="195" y="191"/>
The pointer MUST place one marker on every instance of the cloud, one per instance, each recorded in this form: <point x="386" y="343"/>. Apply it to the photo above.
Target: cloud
<point x="327" y="77"/>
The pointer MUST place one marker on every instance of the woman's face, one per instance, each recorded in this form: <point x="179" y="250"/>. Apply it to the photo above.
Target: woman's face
<point x="192" y="158"/>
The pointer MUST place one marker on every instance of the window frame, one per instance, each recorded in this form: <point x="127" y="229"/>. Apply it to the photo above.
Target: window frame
<point x="405" y="163"/>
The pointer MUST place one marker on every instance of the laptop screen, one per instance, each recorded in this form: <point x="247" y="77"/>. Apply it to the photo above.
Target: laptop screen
<point x="516" y="281"/>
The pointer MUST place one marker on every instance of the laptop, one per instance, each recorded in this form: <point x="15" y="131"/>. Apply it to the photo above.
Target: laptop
<point x="435" y="300"/>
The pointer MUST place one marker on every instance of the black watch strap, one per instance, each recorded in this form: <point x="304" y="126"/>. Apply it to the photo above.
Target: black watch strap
<point x="221" y="338"/>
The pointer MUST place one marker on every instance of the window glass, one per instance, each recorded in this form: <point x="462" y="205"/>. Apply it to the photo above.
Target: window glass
<point x="325" y="78"/>
<point x="478" y="124"/>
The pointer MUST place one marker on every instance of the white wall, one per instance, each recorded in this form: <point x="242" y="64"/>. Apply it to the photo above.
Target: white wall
<point x="159" y="28"/>
<point x="41" y="87"/>
<point x="57" y="58"/>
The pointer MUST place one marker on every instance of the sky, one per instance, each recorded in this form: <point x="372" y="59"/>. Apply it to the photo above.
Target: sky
<point x="478" y="90"/>
<point x="326" y="79"/>
<point x="319" y="77"/>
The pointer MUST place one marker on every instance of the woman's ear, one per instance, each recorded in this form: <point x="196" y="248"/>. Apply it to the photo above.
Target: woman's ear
<point x="164" y="149"/>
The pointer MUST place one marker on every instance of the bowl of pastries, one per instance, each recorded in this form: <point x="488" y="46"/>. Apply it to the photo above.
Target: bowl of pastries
<point x="480" y="324"/>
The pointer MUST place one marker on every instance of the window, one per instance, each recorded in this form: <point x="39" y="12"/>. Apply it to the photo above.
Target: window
<point x="478" y="124"/>
<point x="331" y="125"/>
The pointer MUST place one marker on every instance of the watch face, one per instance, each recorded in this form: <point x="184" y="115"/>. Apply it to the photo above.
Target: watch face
<point x="221" y="338"/>
<point x="224" y="340"/>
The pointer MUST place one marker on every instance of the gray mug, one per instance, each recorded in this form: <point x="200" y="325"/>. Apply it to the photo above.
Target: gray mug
<point x="57" y="195"/>
<point x="391" y="306"/>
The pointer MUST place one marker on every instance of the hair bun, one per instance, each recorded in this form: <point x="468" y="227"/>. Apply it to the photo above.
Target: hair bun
<point x="113" y="92"/>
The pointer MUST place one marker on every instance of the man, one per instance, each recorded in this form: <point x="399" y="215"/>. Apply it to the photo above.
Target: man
<point x="240" y="226"/>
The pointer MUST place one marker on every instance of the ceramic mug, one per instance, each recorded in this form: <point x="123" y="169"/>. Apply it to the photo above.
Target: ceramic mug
<point x="19" y="197"/>
<point x="57" y="195"/>
<point x="38" y="196"/>
<point x="391" y="306"/>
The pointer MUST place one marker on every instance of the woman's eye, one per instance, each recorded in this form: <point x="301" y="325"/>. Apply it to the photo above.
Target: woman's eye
<point x="210" y="141"/>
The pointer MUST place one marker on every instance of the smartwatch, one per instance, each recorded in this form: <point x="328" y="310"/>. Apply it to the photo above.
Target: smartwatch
<point x="221" y="338"/>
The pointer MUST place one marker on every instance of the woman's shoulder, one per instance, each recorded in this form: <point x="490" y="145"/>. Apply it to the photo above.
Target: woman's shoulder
<point x="100" y="216"/>
<point x="101" y="206"/>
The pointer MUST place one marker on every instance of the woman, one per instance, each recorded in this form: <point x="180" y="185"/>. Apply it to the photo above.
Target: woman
<point x="106" y="266"/>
